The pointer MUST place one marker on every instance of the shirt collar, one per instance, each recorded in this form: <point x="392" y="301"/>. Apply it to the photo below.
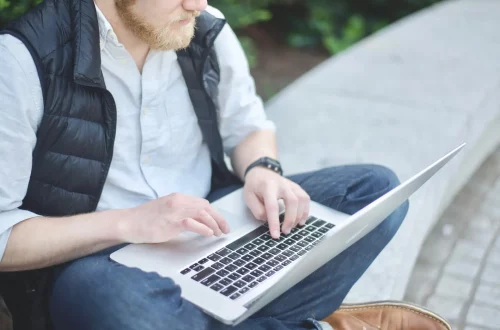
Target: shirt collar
<point x="106" y="32"/>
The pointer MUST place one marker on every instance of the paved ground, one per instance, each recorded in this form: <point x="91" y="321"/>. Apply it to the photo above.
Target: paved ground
<point x="458" y="271"/>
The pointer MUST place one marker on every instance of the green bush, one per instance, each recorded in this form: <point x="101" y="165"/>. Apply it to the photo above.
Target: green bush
<point x="331" y="24"/>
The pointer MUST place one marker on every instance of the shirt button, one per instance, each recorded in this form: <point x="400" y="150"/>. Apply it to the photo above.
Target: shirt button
<point x="145" y="111"/>
<point x="124" y="61"/>
<point x="147" y="160"/>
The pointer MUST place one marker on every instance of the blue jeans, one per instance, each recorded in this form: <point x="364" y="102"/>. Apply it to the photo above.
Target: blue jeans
<point x="95" y="293"/>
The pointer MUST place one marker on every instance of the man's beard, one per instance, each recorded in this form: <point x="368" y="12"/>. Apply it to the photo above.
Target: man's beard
<point x="168" y="37"/>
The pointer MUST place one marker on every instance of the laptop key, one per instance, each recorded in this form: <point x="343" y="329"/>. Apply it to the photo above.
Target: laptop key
<point x="216" y="287"/>
<point x="275" y="251"/>
<point x="193" y="266"/>
<point x="239" y="262"/>
<point x="235" y="296"/>
<point x="225" y="281"/>
<point x="242" y="271"/>
<point x="270" y="243"/>
<point x="317" y="235"/>
<point x="258" y="241"/>
<point x="240" y="242"/>
<point x="259" y="261"/>
<point x="329" y="225"/>
<point x="203" y="261"/>
<point x="263" y="248"/>
<point x="264" y="268"/>
<point x="287" y="253"/>
<point x="251" y="266"/>
<point x="302" y="243"/>
<point x="217" y="265"/>
<point x="185" y="271"/>
<point x="242" y="250"/>
<point x="319" y="223"/>
<point x="310" y="229"/>
<point x="266" y="256"/>
<point x="234" y="276"/>
<point x="253" y="284"/>
<point x="270" y="273"/>
<point x="256" y="273"/>
<point x="311" y="219"/>
<point x="244" y="290"/>
<point x="309" y="239"/>
<point x="234" y="256"/>
<point x="309" y="247"/>
<point x="226" y="261"/>
<point x="323" y="230"/>
<point x="214" y="257"/>
<point x="297" y="237"/>
<point x="255" y="253"/>
<point x="227" y="291"/>
<point x="198" y="268"/>
<point x="250" y="246"/>
<point x="266" y="237"/>
<point x="282" y="246"/>
<point x="295" y="248"/>
<point x="301" y="253"/>
<point x="280" y="258"/>
<point x="262" y="278"/>
<point x="222" y="272"/>
<point x="248" y="278"/>
<point x="247" y="257"/>
<point x="289" y="241"/>
<point x="278" y="268"/>
<point x="286" y="263"/>
<point x="239" y="284"/>
<point x="231" y="268"/>
<point x="210" y="280"/>
<point x="224" y="252"/>
<point x="204" y="273"/>
<point x="294" y="257"/>
<point x="272" y="263"/>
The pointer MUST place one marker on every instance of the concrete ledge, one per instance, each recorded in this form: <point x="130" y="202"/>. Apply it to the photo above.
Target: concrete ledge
<point x="402" y="98"/>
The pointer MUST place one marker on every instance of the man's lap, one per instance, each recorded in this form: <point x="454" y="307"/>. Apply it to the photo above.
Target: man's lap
<point x="95" y="290"/>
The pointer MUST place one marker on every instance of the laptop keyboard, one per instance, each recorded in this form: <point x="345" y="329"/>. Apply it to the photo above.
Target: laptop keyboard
<point x="243" y="264"/>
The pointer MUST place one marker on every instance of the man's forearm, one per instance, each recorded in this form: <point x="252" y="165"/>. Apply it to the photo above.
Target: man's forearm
<point x="258" y="144"/>
<point x="41" y="242"/>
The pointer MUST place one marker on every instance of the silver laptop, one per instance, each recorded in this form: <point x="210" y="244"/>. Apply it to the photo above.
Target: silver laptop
<point x="234" y="276"/>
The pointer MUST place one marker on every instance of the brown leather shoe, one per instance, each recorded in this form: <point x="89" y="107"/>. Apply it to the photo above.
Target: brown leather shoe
<point x="385" y="315"/>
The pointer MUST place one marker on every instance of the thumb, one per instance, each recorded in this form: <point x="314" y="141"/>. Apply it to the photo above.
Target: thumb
<point x="256" y="206"/>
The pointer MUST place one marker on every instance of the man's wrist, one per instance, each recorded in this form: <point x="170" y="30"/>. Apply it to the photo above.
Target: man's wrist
<point x="121" y="224"/>
<point x="267" y="163"/>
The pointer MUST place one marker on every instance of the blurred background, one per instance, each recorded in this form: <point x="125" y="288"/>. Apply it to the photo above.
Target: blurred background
<point x="285" y="38"/>
<point x="397" y="83"/>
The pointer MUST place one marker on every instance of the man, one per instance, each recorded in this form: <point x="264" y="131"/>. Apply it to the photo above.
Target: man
<point x="114" y="119"/>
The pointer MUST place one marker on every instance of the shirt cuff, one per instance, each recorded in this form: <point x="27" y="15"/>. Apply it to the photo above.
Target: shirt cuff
<point x="234" y="140"/>
<point x="9" y="219"/>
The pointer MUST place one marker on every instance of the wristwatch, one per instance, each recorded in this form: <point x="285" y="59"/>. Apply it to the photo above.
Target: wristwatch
<point x="266" y="162"/>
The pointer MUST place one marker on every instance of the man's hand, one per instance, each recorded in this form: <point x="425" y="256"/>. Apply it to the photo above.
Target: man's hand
<point x="263" y="188"/>
<point x="163" y="219"/>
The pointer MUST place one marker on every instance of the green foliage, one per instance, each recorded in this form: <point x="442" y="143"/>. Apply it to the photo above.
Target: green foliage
<point x="331" y="24"/>
<point x="10" y="9"/>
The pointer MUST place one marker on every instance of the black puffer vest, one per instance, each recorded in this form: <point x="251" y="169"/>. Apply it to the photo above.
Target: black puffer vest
<point x="76" y="136"/>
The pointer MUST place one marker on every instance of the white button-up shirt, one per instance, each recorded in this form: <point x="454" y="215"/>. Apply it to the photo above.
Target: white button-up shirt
<point x="159" y="147"/>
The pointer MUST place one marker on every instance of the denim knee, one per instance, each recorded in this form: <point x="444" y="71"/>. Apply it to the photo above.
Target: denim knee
<point x="382" y="180"/>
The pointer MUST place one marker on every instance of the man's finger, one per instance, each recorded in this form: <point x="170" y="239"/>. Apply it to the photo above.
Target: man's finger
<point x="205" y="218"/>
<point x="272" y="213"/>
<point x="291" y="207"/>
<point x="222" y="223"/>
<point x="256" y="206"/>
<point x="190" y="224"/>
